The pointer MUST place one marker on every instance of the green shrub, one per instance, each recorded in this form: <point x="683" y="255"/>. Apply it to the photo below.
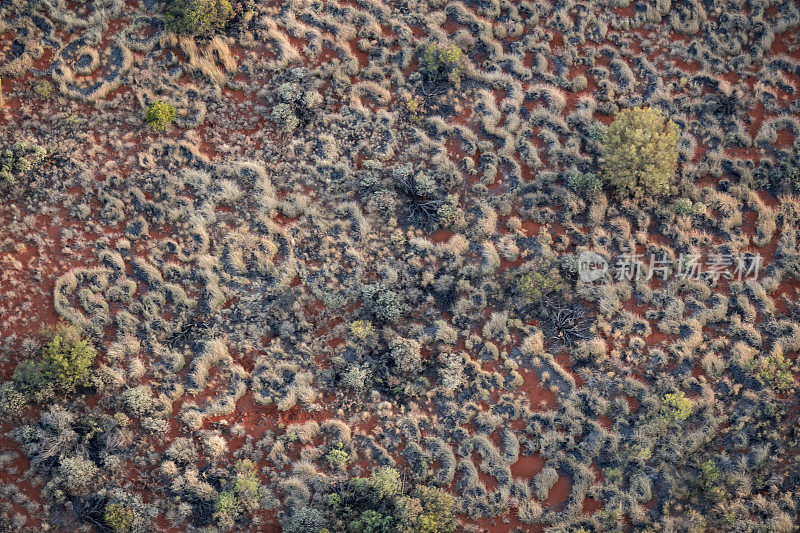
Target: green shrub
<point x="775" y="370"/>
<point x="64" y="363"/>
<point x="43" y="89"/>
<point x="585" y="184"/>
<point x="17" y="160"/>
<point x="439" y="63"/>
<point x="533" y="286"/>
<point x="684" y="206"/>
<point x="159" y="115"/>
<point x="386" y="482"/>
<point x="429" y="510"/>
<point x="675" y="407"/>
<point x="640" y="152"/>
<point x="197" y="17"/>
<point x="304" y="520"/>
<point x="118" y="517"/>
<point x="337" y="457"/>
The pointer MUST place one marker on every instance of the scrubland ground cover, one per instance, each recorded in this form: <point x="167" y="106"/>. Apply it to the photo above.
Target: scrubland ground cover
<point x="316" y="266"/>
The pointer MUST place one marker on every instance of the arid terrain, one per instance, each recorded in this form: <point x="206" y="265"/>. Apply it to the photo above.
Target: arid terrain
<point x="323" y="261"/>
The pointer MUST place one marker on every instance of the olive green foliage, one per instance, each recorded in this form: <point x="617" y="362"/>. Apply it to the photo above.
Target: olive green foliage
<point x="533" y="286"/>
<point x="197" y="17"/>
<point x="428" y="509"/>
<point x="377" y="505"/>
<point x="64" y="363"/>
<point x="640" y="152"/>
<point x="675" y="407"/>
<point x="43" y="89"/>
<point x="240" y="493"/>
<point x="337" y="457"/>
<point x="685" y="207"/>
<point x="386" y="482"/>
<point x="361" y="329"/>
<point x="159" y="115"/>
<point x="17" y="160"/>
<point x="585" y="184"/>
<point x="442" y="63"/>
<point x="304" y="520"/>
<point x="118" y="517"/>
<point x="775" y="370"/>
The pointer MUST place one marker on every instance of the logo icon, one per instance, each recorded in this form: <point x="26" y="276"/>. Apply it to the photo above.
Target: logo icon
<point x="591" y="266"/>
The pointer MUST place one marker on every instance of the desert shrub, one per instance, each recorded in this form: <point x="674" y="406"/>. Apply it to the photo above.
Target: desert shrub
<point x="77" y="474"/>
<point x="43" y="89"/>
<point x="386" y="304"/>
<point x="240" y="493"/>
<point x="684" y="206"/>
<point x="366" y="504"/>
<point x="64" y="363"/>
<point x="197" y="17"/>
<point x="17" y="160"/>
<point x="118" y="517"/>
<point x="675" y="407"/>
<point x="159" y="115"/>
<point x="337" y="457"/>
<point x="433" y="512"/>
<point x="584" y="183"/>
<point x="297" y="102"/>
<point x="386" y="482"/>
<point x="640" y="152"/>
<point x="304" y="520"/>
<point x="12" y="401"/>
<point x="361" y="329"/>
<point x="442" y="63"/>
<point x="533" y="286"/>
<point x="775" y="370"/>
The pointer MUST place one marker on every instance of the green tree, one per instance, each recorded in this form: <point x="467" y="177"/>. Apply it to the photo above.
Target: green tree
<point x="159" y="115"/>
<point x="64" y="364"/>
<point x="432" y="512"/>
<point x="640" y="152"/>
<point x="197" y="17"/>
<point x="442" y="63"/>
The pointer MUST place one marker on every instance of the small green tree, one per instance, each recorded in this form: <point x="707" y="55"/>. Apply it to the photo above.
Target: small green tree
<point x="197" y="17"/>
<point x="159" y="115"/>
<point x="64" y="363"/>
<point x="432" y="512"/>
<point x="442" y="63"/>
<point x="675" y="407"/>
<point x="118" y="517"/>
<point x="337" y="457"/>
<point x="640" y="152"/>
